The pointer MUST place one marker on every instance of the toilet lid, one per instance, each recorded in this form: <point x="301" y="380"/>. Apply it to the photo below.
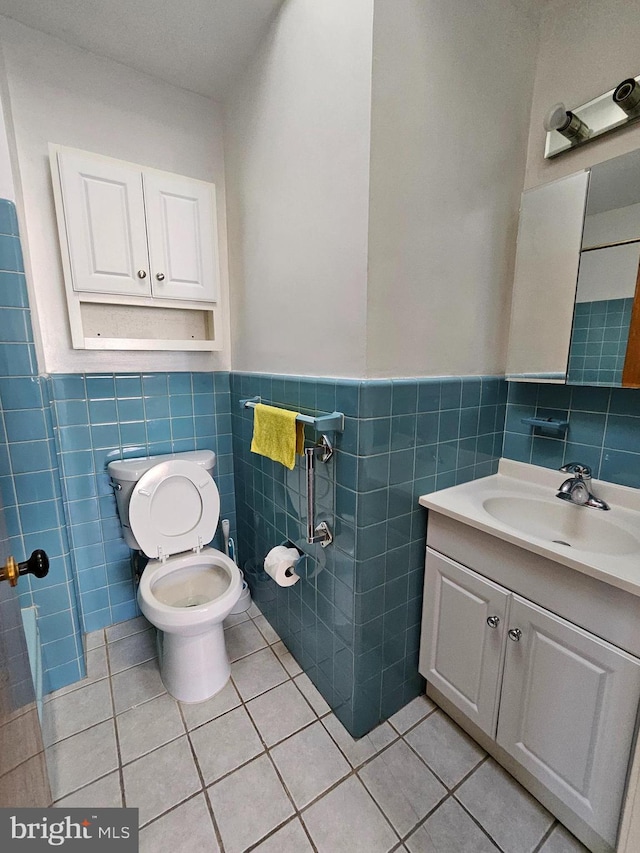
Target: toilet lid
<point x="174" y="507"/>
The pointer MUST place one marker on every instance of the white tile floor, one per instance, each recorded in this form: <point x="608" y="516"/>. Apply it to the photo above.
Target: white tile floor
<point x="266" y="766"/>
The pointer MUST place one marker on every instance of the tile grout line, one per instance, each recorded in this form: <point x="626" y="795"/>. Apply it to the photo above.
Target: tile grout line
<point x="115" y="728"/>
<point x="203" y="789"/>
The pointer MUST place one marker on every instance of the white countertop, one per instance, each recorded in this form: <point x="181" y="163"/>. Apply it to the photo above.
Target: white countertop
<point x="516" y="481"/>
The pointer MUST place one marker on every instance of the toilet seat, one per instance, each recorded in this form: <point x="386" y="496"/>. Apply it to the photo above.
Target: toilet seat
<point x="174" y="507"/>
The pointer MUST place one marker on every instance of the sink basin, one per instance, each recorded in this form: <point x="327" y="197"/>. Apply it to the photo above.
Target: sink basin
<point x="518" y="505"/>
<point x="563" y="524"/>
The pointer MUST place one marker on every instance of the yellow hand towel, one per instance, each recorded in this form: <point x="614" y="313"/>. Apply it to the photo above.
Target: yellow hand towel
<point x="276" y="434"/>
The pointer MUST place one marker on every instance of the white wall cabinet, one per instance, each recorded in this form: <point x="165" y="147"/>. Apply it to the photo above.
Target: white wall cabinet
<point x="558" y="699"/>
<point x="141" y="238"/>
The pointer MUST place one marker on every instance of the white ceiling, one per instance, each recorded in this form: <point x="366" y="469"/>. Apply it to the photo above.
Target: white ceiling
<point x="200" y="45"/>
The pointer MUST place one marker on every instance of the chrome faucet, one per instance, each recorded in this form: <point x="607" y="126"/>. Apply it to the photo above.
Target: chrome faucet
<point x="576" y="488"/>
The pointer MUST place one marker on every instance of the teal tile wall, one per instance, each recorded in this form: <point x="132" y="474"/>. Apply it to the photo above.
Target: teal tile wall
<point x="56" y="436"/>
<point x="599" y="341"/>
<point x="101" y="417"/>
<point x="603" y="432"/>
<point x="29" y="475"/>
<point x="353" y="620"/>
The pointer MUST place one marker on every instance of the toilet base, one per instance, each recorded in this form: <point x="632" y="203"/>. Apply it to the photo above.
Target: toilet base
<point x="193" y="669"/>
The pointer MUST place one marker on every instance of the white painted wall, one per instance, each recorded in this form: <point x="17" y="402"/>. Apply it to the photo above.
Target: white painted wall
<point x="6" y="178"/>
<point x="451" y="95"/>
<point x="612" y="226"/>
<point x="609" y="273"/>
<point x="62" y="94"/>
<point x="297" y="159"/>
<point x="586" y="48"/>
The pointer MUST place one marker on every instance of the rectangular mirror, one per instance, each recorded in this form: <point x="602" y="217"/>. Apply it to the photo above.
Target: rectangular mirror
<point x="587" y="255"/>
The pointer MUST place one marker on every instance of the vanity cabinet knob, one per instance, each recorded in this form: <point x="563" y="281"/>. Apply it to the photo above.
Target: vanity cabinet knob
<point x="493" y="621"/>
<point x="142" y="273"/>
<point x="160" y="276"/>
<point x="515" y="634"/>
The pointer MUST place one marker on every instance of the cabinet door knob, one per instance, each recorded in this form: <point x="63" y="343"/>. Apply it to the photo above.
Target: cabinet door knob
<point x="515" y="634"/>
<point x="493" y="621"/>
<point x="142" y="273"/>
<point x="160" y="276"/>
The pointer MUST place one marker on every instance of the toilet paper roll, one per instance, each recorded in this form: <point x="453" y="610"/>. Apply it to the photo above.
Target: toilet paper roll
<point x="280" y="563"/>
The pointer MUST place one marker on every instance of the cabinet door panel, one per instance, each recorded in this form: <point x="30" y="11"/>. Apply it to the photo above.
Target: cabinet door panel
<point x="182" y="237"/>
<point x="567" y="713"/>
<point x="104" y="216"/>
<point x="460" y="654"/>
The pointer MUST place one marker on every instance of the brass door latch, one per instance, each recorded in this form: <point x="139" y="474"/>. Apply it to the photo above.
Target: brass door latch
<point x="37" y="564"/>
<point x="9" y="572"/>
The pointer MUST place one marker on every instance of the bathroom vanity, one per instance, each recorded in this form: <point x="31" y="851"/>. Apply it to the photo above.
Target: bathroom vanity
<point x="531" y="637"/>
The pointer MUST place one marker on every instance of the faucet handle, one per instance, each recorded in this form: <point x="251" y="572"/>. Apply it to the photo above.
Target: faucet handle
<point x="583" y="472"/>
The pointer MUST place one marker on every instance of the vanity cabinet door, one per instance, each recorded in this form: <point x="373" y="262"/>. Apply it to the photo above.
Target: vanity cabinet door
<point x="568" y="712"/>
<point x="182" y="237"/>
<point x="463" y="626"/>
<point x="105" y="224"/>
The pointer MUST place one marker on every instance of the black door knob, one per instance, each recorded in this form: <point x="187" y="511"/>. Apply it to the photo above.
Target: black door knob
<point x="37" y="564"/>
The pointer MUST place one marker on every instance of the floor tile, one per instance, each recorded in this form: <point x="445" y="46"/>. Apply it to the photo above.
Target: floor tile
<point x="447" y="750"/>
<point x="280" y="712"/>
<point x="132" y="650"/>
<point x="403" y="787"/>
<point x="148" y="726"/>
<point x="257" y="673"/>
<point x="81" y="759"/>
<point x="97" y="666"/>
<point x="254" y="611"/>
<point x="286" y="658"/>
<point x="450" y="830"/>
<point x="360" y="750"/>
<point x="76" y="711"/>
<point x="225" y="743"/>
<point x="290" y="839"/>
<point x="411" y="714"/>
<point x="241" y="640"/>
<point x="346" y="820"/>
<point x="161" y="779"/>
<point x="235" y="619"/>
<point x="512" y="817"/>
<point x="167" y="834"/>
<point x="125" y="629"/>
<point x="248" y="804"/>
<point x="267" y="630"/>
<point x="94" y="639"/>
<point x="136" y="685"/>
<point x="312" y="694"/>
<point x="309" y="763"/>
<point x="197" y="713"/>
<point x="561" y="841"/>
<point x="103" y="794"/>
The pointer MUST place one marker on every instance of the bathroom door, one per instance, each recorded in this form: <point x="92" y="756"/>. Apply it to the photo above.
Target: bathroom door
<point x="23" y="772"/>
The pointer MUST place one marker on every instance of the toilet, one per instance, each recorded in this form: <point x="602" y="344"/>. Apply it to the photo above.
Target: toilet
<point x="169" y="508"/>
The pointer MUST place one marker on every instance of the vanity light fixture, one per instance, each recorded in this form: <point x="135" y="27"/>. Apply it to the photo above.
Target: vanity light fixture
<point x="568" y="129"/>
<point x="567" y="123"/>
<point x="627" y="96"/>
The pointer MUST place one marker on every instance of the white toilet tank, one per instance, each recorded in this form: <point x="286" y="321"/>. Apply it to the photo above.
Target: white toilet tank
<point x="125" y="473"/>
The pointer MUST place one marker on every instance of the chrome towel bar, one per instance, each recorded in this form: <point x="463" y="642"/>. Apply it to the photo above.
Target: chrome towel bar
<point x="323" y="423"/>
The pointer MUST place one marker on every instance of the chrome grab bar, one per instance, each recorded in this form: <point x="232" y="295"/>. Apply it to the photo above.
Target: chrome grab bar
<point x="321" y="532"/>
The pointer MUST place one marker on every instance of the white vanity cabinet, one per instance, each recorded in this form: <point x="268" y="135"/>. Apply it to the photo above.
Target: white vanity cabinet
<point x="463" y="631"/>
<point x="556" y="698"/>
<point x="136" y="237"/>
<point x="568" y="711"/>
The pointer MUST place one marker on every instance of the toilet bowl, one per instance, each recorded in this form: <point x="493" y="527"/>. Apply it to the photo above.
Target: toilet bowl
<point x="169" y="508"/>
